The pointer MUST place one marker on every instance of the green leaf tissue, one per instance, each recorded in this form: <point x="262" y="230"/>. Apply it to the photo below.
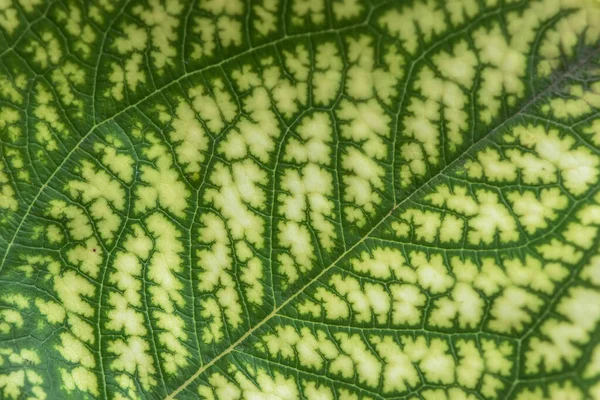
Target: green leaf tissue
<point x="300" y="199"/>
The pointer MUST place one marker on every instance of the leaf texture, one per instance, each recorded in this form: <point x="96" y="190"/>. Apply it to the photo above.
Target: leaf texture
<point x="317" y="199"/>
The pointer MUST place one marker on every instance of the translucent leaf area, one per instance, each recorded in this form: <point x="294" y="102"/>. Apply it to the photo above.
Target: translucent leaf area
<point x="300" y="199"/>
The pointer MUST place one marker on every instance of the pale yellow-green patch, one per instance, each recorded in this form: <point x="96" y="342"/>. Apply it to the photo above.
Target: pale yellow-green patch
<point x="10" y="319"/>
<point x="53" y="312"/>
<point x="513" y="309"/>
<point x="552" y="391"/>
<point x="492" y="217"/>
<point x="128" y="386"/>
<point x="10" y="89"/>
<point x="331" y="305"/>
<point x="13" y="384"/>
<point x="463" y="304"/>
<point x="291" y="91"/>
<point x="593" y="130"/>
<point x="66" y="77"/>
<point x="134" y="39"/>
<point x="453" y="393"/>
<point x="458" y="66"/>
<point x="592" y="368"/>
<point x="130" y="74"/>
<point x="363" y="79"/>
<point x="134" y="76"/>
<point x="532" y="273"/>
<point x="316" y="134"/>
<point x="425" y="17"/>
<point x="255" y="383"/>
<point x="591" y="271"/>
<point x="576" y="163"/>
<point x="314" y="391"/>
<point x="117" y="79"/>
<point x="311" y="10"/>
<point x="505" y="65"/>
<point x="346" y="9"/>
<point x="78" y="225"/>
<point x="81" y="377"/>
<point x="398" y="365"/>
<point x="304" y="201"/>
<point x="216" y="276"/>
<point x="533" y="212"/>
<point x="309" y="308"/>
<point x="436" y="364"/>
<point x="491" y="164"/>
<point x="87" y="256"/>
<point x="239" y="189"/>
<point x="103" y="192"/>
<point x="190" y="138"/>
<point x="471" y="364"/>
<point x="9" y="118"/>
<point x="300" y="256"/>
<point x="408" y="304"/>
<point x="9" y="17"/>
<point x="399" y="373"/>
<point x="161" y="184"/>
<point x="46" y="51"/>
<point x="441" y="104"/>
<point x="118" y="163"/>
<point x="254" y="135"/>
<point x="429" y="225"/>
<point x="8" y="200"/>
<point x="309" y="348"/>
<point x="73" y="290"/>
<point x="163" y="21"/>
<point x="559" y="347"/>
<point x="82" y="33"/>
<point x="166" y="291"/>
<point x="85" y="331"/>
<point x="133" y="357"/>
<point x="462" y="10"/>
<point x="211" y="312"/>
<point x="357" y="360"/>
<point x="216" y="110"/>
<point x="98" y="9"/>
<point x="16" y="159"/>
<point x="45" y="137"/>
<point x="224" y="29"/>
<point x="578" y="101"/>
<point x="432" y="274"/>
<point x="251" y="275"/>
<point x="366" y="124"/>
<point x="205" y="29"/>
<point x="16" y="299"/>
<point x="245" y="77"/>
<point x="381" y="263"/>
<point x="126" y="278"/>
<point x="563" y="37"/>
<point x="517" y="281"/>
<point x="414" y="157"/>
<point x="327" y="76"/>
<point x="46" y="111"/>
<point x="266" y="12"/>
<point x="368" y="301"/>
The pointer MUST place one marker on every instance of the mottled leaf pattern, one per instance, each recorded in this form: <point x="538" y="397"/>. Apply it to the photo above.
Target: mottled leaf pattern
<point x="317" y="199"/>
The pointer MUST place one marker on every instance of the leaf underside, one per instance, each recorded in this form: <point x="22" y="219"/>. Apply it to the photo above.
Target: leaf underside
<point x="320" y="199"/>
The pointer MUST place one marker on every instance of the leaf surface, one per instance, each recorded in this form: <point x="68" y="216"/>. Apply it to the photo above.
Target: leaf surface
<point x="314" y="199"/>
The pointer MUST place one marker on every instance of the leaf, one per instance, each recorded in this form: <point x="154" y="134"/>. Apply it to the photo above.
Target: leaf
<point x="304" y="199"/>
